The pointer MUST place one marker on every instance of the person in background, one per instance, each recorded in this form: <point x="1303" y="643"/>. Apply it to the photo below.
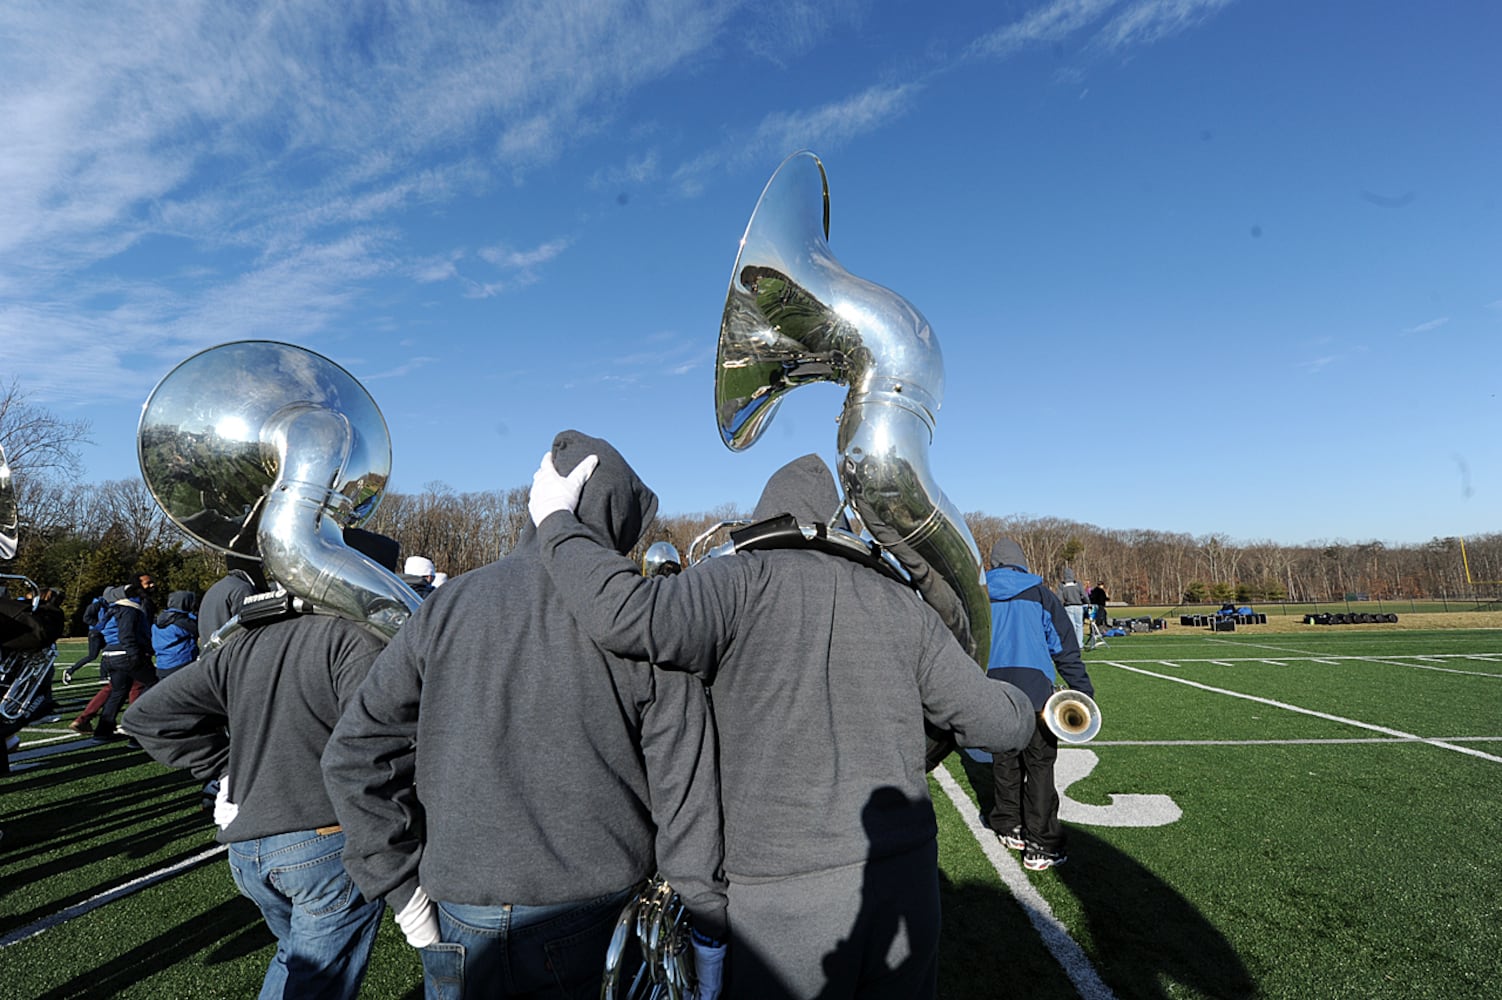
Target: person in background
<point x="418" y="573"/>
<point x="1032" y="643"/>
<point x="1098" y="599"/>
<point x="823" y="671"/>
<point x="256" y="713"/>
<point x="127" y="661"/>
<point x="94" y="617"/>
<point x="223" y="599"/>
<point x="174" y="634"/>
<point x="1073" y="596"/>
<point x="507" y="871"/>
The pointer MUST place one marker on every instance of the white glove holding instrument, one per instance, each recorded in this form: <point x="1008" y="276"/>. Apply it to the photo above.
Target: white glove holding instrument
<point x="709" y="966"/>
<point x="552" y="492"/>
<point x="225" y="811"/>
<point x="419" y="920"/>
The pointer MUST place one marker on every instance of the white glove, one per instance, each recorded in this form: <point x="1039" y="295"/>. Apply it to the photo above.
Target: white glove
<point x="419" y="920"/>
<point x="709" y="965"/>
<point x="225" y="811"/>
<point x="552" y="492"/>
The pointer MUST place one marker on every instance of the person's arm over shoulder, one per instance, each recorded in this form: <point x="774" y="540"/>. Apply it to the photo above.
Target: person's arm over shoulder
<point x="369" y="771"/>
<point x="678" y="745"/>
<point x="957" y="696"/>
<point x="180" y="722"/>
<point x="681" y="622"/>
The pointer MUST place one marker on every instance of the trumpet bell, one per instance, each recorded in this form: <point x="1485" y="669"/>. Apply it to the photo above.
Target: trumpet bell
<point x="1072" y="716"/>
<point x="203" y="453"/>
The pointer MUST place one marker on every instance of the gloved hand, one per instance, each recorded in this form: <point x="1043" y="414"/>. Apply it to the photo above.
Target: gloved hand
<point x="552" y="492"/>
<point x="225" y="811"/>
<point x="419" y="920"/>
<point x="709" y="964"/>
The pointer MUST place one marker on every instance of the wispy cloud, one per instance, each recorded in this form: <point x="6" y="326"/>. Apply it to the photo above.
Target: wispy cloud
<point x="1433" y="324"/>
<point x="411" y="365"/>
<point x="282" y="142"/>
<point x="1315" y="365"/>
<point x="1052" y="22"/>
<point x="827" y="126"/>
<point x="1142" y="22"/>
<point x="1149" y="21"/>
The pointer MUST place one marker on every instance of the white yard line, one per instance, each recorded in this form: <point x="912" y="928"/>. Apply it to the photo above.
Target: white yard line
<point x="1292" y="742"/>
<point x="1306" y="711"/>
<point x="95" y="902"/>
<point x="1055" y="935"/>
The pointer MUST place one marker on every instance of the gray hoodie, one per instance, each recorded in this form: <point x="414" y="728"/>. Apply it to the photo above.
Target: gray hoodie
<point x="547" y="770"/>
<point x="279" y="689"/>
<point x="1070" y="592"/>
<point x="823" y="672"/>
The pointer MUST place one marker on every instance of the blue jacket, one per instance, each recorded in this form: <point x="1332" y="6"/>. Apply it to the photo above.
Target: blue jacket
<point x="174" y="634"/>
<point x="1032" y="638"/>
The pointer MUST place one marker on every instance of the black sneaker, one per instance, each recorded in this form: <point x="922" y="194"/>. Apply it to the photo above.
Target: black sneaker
<point x="1014" y="839"/>
<point x="1036" y="859"/>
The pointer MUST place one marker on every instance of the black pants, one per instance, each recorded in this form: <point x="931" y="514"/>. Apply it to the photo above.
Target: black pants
<point x="96" y="646"/>
<point x="1025" y="792"/>
<point x="123" y="671"/>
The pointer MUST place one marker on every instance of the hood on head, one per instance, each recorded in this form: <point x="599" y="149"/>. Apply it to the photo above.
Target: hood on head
<point x="1068" y="575"/>
<point x="804" y="488"/>
<point x="183" y="600"/>
<point x="615" y="503"/>
<point x="1006" y="552"/>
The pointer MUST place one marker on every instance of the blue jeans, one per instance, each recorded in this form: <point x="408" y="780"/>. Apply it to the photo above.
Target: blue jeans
<point x="521" y="951"/>
<point x="324" y="928"/>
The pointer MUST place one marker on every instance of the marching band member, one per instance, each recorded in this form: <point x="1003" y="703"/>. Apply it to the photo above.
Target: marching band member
<point x="279" y="687"/>
<point x="822" y="672"/>
<point x="549" y="780"/>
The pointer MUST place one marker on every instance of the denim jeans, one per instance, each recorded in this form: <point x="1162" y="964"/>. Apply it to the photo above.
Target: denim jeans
<point x="521" y="951"/>
<point x="324" y="928"/>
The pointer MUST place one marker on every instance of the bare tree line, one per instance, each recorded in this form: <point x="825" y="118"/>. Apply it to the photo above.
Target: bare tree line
<point x="462" y="531"/>
<point x="82" y="536"/>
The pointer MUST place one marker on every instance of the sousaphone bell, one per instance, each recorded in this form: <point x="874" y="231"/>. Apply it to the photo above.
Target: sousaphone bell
<point x="269" y="451"/>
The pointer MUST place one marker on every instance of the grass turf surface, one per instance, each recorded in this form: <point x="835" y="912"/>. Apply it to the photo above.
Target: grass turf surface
<point x="1297" y="869"/>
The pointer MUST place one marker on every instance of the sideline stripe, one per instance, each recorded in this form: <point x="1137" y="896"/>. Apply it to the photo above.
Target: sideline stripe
<point x="95" y="902"/>
<point x="1290" y="742"/>
<point x="1055" y="936"/>
<point x="1389" y="659"/>
<point x="1308" y="711"/>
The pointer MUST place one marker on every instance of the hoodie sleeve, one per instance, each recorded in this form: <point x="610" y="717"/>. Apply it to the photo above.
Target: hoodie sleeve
<point x="1067" y="660"/>
<point x="678" y="744"/>
<point x="180" y="722"/>
<point x="682" y="622"/>
<point x="957" y="696"/>
<point x="369" y="771"/>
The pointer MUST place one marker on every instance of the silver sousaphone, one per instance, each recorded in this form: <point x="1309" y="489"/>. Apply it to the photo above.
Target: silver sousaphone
<point x="268" y="451"/>
<point x="794" y="315"/>
<point x="24" y="674"/>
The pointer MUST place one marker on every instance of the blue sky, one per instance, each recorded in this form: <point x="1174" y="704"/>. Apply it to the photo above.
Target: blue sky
<point x="1195" y="265"/>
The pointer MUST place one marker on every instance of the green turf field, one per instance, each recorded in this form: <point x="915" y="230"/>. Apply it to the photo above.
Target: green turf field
<point x="1325" y="811"/>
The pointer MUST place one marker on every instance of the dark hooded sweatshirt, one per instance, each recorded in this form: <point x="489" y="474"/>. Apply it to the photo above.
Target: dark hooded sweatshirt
<point x="279" y="688"/>
<point x="547" y="770"/>
<point x="823" y="672"/>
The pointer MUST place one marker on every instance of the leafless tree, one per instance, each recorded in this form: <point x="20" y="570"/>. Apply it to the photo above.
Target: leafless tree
<point x="35" y="439"/>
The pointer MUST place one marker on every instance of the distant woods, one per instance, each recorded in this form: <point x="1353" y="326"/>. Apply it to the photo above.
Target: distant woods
<point x="83" y="537"/>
